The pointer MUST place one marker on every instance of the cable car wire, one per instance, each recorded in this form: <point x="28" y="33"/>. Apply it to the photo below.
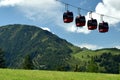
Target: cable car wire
<point x="87" y="10"/>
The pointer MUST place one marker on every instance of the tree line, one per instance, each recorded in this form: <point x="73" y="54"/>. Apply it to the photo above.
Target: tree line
<point x="104" y="63"/>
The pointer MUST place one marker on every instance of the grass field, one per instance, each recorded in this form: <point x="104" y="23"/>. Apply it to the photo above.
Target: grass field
<point x="7" y="74"/>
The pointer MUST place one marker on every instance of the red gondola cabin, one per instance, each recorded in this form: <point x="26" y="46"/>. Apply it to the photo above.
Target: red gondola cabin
<point x="80" y="21"/>
<point x="68" y="17"/>
<point x="103" y="27"/>
<point x="92" y="24"/>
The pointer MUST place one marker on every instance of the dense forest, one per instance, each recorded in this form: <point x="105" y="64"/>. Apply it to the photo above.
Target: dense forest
<point x="30" y="47"/>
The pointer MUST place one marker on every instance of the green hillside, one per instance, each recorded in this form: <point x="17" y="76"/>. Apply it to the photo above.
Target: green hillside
<point x="46" y="50"/>
<point x="105" y="60"/>
<point x="7" y="74"/>
<point x="86" y="55"/>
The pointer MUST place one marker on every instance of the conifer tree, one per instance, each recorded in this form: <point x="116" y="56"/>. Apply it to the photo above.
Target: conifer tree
<point x="28" y="64"/>
<point x="2" y="59"/>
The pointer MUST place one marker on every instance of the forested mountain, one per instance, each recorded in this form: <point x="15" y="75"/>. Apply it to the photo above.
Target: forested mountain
<point x="45" y="49"/>
<point x="30" y="47"/>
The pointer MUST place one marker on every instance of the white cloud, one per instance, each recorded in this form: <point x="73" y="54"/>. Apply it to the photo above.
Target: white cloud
<point x="117" y="47"/>
<point x="71" y="28"/>
<point x="74" y="29"/>
<point x="46" y="28"/>
<point x="44" y="11"/>
<point x="109" y="8"/>
<point x="90" y="46"/>
<point x="9" y="2"/>
<point x="84" y="30"/>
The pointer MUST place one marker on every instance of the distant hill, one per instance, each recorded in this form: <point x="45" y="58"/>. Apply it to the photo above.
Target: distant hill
<point x="105" y="60"/>
<point x="86" y="55"/>
<point x="45" y="48"/>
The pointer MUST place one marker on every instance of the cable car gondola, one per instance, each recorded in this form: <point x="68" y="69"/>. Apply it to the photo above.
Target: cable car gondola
<point x="68" y="17"/>
<point x="92" y="24"/>
<point x="103" y="27"/>
<point x="80" y="21"/>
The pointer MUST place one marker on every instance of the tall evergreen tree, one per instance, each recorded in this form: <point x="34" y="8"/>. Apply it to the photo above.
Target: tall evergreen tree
<point x="2" y="59"/>
<point x="28" y="64"/>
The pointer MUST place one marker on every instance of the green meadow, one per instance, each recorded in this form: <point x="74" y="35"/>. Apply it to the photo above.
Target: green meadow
<point x="8" y="74"/>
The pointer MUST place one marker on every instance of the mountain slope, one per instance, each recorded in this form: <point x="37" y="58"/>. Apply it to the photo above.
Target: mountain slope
<point x="86" y="55"/>
<point x="45" y="48"/>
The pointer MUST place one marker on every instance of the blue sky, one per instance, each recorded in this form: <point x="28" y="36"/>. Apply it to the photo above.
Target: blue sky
<point x="47" y="14"/>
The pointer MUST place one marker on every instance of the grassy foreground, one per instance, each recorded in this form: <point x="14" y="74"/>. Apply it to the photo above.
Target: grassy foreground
<point x="7" y="74"/>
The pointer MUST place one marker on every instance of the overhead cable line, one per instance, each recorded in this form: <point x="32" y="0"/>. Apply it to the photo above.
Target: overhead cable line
<point x="86" y="9"/>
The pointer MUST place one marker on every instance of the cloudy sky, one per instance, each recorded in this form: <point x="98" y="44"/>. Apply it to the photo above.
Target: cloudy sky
<point x="47" y="14"/>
